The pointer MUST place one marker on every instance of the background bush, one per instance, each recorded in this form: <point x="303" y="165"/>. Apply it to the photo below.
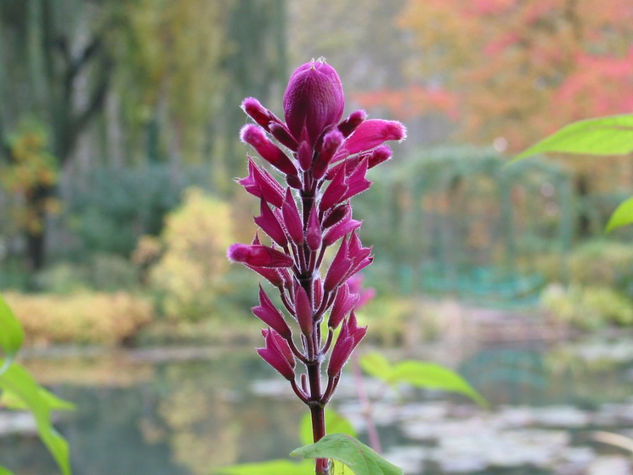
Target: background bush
<point x="604" y="263"/>
<point x="190" y="273"/>
<point x="588" y="308"/>
<point x="100" y="272"/>
<point x="80" y="318"/>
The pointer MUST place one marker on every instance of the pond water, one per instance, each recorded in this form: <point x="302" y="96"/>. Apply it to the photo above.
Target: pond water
<point x="188" y="411"/>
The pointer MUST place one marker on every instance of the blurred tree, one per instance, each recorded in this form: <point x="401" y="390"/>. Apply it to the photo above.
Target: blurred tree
<point x="30" y="170"/>
<point x="255" y="65"/>
<point x="360" y="41"/>
<point x="169" y="80"/>
<point x="63" y="61"/>
<point x="56" y="68"/>
<point x="522" y="68"/>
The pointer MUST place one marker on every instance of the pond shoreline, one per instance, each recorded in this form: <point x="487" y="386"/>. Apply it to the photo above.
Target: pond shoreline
<point x="456" y="322"/>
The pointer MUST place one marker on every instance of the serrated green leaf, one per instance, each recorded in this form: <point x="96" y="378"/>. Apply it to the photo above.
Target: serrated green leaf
<point x="434" y="376"/>
<point x="611" y="135"/>
<point x="362" y="460"/>
<point x="376" y="365"/>
<point x="11" y="334"/>
<point x="5" y="471"/>
<point x="273" y="467"/>
<point x="334" y="422"/>
<point x="20" y="384"/>
<point x="622" y="216"/>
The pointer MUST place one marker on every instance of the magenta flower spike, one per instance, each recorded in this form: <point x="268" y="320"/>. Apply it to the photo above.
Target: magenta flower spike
<point x="324" y="161"/>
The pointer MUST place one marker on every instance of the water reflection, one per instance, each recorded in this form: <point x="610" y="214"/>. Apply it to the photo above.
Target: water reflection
<point x="186" y="412"/>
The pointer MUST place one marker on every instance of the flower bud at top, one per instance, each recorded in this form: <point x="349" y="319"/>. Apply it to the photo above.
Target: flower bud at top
<point x="313" y="100"/>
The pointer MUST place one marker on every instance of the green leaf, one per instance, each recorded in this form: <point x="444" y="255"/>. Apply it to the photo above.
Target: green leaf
<point x="361" y="459"/>
<point x="611" y="135"/>
<point x="11" y="334"/>
<point x="622" y="216"/>
<point x="334" y="422"/>
<point x="17" y="381"/>
<point x="338" y="468"/>
<point x="434" y="376"/>
<point x="273" y="467"/>
<point x="376" y="365"/>
<point x="420" y="374"/>
<point x="54" y="403"/>
<point x="5" y="471"/>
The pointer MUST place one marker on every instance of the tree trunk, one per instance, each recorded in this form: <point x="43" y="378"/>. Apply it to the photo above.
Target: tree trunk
<point x="584" y="220"/>
<point x="36" y="235"/>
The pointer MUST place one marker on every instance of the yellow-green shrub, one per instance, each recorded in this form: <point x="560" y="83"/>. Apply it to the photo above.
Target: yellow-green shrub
<point x="589" y="308"/>
<point x="80" y="318"/>
<point x="190" y="273"/>
<point x="593" y="263"/>
<point x="603" y="263"/>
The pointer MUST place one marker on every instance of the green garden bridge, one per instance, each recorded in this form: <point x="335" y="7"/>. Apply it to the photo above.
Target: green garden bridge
<point x="463" y="221"/>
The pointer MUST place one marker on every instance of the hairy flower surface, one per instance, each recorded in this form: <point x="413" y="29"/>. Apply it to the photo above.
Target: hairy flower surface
<point x="324" y="161"/>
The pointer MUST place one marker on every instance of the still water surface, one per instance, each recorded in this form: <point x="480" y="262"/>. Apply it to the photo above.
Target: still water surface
<point x="187" y="411"/>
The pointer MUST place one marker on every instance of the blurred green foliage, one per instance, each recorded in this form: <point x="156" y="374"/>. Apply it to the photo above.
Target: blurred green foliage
<point x="98" y="272"/>
<point x="598" y="262"/>
<point x="588" y="308"/>
<point x="116" y="206"/>
<point x="604" y="263"/>
<point x="599" y="285"/>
